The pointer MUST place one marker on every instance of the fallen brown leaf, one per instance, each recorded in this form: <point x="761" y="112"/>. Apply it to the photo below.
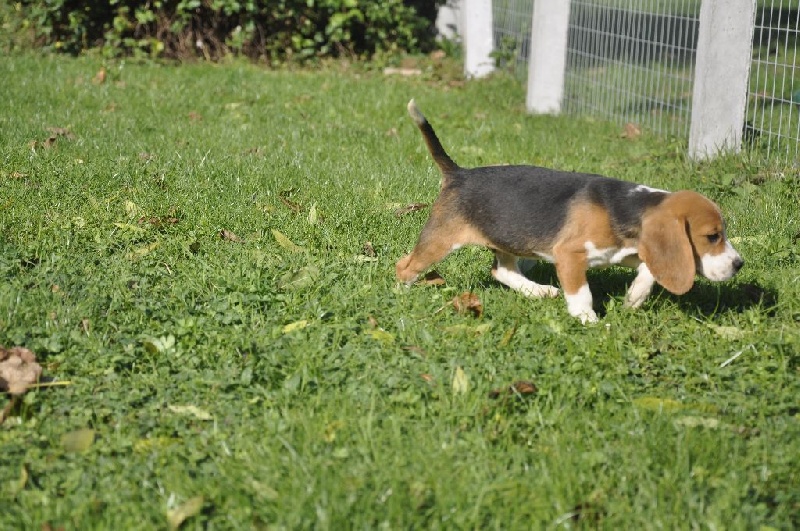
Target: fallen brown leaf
<point x="369" y="250"/>
<point x="159" y="221"/>
<point x="61" y="131"/>
<point x="99" y="77"/>
<point x="419" y="351"/>
<point x="520" y="388"/>
<point x="293" y="206"/>
<point x="18" y="369"/>
<point x="229" y="236"/>
<point x="631" y="131"/>
<point x="468" y="302"/>
<point x="413" y="207"/>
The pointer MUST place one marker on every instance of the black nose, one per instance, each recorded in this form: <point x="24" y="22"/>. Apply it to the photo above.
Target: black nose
<point x="737" y="264"/>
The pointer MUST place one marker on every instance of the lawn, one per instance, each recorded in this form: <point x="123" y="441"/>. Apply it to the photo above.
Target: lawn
<point x="202" y="259"/>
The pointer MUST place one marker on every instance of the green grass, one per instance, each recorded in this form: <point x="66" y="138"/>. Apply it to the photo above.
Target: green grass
<point x="324" y="393"/>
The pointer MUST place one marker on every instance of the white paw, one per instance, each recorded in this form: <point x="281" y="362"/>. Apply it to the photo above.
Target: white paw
<point x="640" y="288"/>
<point x="579" y="304"/>
<point x="634" y="300"/>
<point x="540" y="291"/>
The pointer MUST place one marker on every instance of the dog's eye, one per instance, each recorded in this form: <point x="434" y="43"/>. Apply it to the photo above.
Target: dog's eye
<point x="713" y="238"/>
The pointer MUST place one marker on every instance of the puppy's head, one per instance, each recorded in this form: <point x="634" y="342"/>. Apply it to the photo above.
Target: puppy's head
<point x="685" y="235"/>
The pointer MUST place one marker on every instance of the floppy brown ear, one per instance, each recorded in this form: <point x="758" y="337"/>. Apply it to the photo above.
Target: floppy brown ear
<point x="664" y="246"/>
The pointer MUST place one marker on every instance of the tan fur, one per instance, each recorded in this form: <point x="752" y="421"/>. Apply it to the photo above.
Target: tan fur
<point x="443" y="232"/>
<point x="674" y="236"/>
<point x="585" y="222"/>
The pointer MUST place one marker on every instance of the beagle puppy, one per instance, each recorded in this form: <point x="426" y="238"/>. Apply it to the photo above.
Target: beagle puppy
<point x="573" y="220"/>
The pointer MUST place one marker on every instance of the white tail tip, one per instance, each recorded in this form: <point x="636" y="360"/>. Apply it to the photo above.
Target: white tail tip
<point x="415" y="113"/>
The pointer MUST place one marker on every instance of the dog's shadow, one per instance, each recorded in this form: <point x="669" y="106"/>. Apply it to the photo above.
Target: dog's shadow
<point x="703" y="300"/>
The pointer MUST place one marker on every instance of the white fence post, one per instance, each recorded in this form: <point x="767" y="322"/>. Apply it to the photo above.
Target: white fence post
<point x="478" y="37"/>
<point x="448" y="19"/>
<point x="722" y="71"/>
<point x="547" y="60"/>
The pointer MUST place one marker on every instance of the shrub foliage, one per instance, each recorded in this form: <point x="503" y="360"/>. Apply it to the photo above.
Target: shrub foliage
<point x="275" y="30"/>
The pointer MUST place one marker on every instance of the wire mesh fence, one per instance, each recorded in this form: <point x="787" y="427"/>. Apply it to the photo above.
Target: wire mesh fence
<point x="773" y="112"/>
<point x="633" y="61"/>
<point x="512" y="31"/>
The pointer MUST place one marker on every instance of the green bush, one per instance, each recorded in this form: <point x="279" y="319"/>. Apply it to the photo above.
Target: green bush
<point x="275" y="30"/>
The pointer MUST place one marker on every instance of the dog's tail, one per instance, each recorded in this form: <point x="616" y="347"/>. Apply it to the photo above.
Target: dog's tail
<point x="440" y="156"/>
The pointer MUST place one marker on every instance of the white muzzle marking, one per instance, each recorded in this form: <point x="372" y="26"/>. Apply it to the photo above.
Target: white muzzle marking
<point x="720" y="266"/>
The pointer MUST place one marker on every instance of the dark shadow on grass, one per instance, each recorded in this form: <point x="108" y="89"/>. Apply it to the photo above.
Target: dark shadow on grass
<point x="705" y="299"/>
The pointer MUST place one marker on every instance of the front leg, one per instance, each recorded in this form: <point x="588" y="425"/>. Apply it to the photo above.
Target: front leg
<point x="640" y="288"/>
<point x="571" y="270"/>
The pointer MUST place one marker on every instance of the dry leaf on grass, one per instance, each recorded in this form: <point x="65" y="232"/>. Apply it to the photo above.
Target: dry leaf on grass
<point x="520" y="388"/>
<point x="55" y="134"/>
<point x="291" y="205"/>
<point x="369" y="250"/>
<point x="229" y="236"/>
<point x="413" y="207"/>
<point x="159" y="221"/>
<point x="460" y="382"/>
<point x="18" y="369"/>
<point x="100" y="77"/>
<point x="60" y="131"/>
<point x="285" y="242"/>
<point x="468" y="302"/>
<point x="179" y="514"/>
<point x="631" y="131"/>
<point x="191" y="410"/>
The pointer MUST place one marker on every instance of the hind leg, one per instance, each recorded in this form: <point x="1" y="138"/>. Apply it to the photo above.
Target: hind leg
<point x="424" y="255"/>
<point x="437" y="240"/>
<point x="506" y="271"/>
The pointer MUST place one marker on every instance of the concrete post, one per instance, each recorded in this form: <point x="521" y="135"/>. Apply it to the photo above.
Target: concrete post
<point x="548" y="56"/>
<point x="722" y="71"/>
<point x="448" y="19"/>
<point x="478" y="37"/>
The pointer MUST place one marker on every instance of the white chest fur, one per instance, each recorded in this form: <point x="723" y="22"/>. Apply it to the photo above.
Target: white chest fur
<point x="599" y="257"/>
